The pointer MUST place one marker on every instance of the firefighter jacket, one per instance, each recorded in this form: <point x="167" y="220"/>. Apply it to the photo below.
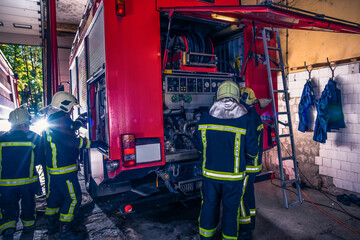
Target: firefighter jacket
<point x="307" y="100"/>
<point x="62" y="145"/>
<point x="20" y="152"/>
<point x="227" y="146"/>
<point x="329" y="112"/>
<point x="255" y="117"/>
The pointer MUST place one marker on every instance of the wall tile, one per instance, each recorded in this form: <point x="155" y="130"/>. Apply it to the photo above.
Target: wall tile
<point x="357" y="187"/>
<point x="355" y="167"/>
<point x="346" y="166"/>
<point x="336" y="164"/>
<point x="323" y="170"/>
<point x="353" y="68"/>
<point x="327" y="162"/>
<point x="338" y="182"/>
<point x="348" y="185"/>
<point x="341" y="174"/>
<point x="319" y="161"/>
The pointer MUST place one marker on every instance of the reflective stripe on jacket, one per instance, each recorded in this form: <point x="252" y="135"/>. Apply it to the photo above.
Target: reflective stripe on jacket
<point x="227" y="145"/>
<point x="256" y="167"/>
<point x="62" y="146"/>
<point x="20" y="152"/>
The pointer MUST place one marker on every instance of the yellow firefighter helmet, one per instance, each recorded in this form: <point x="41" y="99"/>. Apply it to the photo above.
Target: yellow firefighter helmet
<point x="228" y="89"/>
<point x="247" y="95"/>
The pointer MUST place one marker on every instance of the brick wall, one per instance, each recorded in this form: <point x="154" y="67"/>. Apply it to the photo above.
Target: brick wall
<point x="337" y="162"/>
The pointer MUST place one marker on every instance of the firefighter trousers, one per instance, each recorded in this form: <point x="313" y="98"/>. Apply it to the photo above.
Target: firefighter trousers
<point x="212" y="194"/>
<point x="248" y="208"/>
<point x="9" y="205"/>
<point x="63" y="196"/>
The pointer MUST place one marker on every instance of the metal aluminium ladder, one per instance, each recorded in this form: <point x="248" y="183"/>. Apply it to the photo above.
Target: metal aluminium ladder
<point x="280" y="68"/>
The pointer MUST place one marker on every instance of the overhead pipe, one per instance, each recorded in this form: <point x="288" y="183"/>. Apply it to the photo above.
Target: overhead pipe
<point x="48" y="56"/>
<point x="53" y="46"/>
<point x="43" y="46"/>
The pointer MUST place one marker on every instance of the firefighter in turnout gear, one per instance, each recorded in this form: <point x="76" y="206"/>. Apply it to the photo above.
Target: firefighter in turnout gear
<point x="20" y="152"/>
<point x="62" y="147"/>
<point x="227" y="140"/>
<point x="248" y="211"/>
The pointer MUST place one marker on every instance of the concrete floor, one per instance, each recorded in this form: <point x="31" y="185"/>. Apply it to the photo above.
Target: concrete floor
<point x="305" y="221"/>
<point x="101" y="219"/>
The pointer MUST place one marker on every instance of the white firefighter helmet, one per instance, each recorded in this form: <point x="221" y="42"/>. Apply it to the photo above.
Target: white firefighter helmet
<point x="63" y="101"/>
<point x="228" y="89"/>
<point x="19" y="116"/>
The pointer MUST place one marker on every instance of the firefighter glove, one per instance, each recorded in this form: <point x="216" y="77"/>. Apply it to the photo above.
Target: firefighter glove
<point x="81" y="121"/>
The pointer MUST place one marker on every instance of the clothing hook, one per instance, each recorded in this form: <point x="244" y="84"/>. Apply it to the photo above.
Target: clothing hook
<point x="309" y="71"/>
<point x="332" y="69"/>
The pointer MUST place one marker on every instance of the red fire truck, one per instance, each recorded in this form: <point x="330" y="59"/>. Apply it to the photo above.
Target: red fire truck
<point x="144" y="70"/>
<point x="9" y="99"/>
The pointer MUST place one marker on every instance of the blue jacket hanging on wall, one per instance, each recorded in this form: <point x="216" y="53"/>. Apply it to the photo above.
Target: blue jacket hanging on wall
<point x="307" y="99"/>
<point x="330" y="114"/>
<point x="336" y="115"/>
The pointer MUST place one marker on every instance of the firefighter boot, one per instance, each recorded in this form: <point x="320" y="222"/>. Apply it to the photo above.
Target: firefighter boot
<point x="53" y="224"/>
<point x="67" y="233"/>
<point x="9" y="234"/>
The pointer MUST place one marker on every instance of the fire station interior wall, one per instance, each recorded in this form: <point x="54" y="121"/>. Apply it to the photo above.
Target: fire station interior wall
<point x="64" y="47"/>
<point x="133" y="69"/>
<point x="336" y="162"/>
<point x="315" y="47"/>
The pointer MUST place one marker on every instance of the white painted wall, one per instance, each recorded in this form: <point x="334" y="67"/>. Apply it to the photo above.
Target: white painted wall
<point x="339" y="157"/>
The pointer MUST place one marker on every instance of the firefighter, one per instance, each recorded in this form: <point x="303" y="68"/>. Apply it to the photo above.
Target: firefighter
<point x="62" y="148"/>
<point x="226" y="138"/>
<point x="20" y="152"/>
<point x="248" y="211"/>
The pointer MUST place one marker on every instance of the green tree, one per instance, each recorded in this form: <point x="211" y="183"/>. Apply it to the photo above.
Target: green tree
<point x="26" y="62"/>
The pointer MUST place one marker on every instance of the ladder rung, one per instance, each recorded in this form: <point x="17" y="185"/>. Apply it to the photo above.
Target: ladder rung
<point x="288" y="181"/>
<point x="274" y="48"/>
<point x="282" y="113"/>
<point x="295" y="203"/>
<point x="285" y="135"/>
<point x="287" y="158"/>
<point x="276" y="69"/>
<point x="279" y="91"/>
<point x="282" y="123"/>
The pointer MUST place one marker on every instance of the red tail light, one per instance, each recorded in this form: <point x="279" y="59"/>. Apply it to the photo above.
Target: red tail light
<point x="273" y="135"/>
<point x="120" y="8"/>
<point x="128" y="146"/>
